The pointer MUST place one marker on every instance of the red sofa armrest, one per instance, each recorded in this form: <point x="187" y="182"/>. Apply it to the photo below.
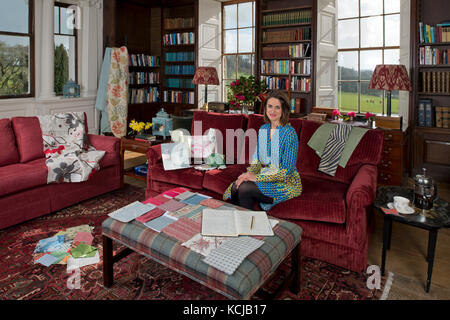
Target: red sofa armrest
<point x="154" y="155"/>
<point x="105" y="143"/>
<point x="363" y="188"/>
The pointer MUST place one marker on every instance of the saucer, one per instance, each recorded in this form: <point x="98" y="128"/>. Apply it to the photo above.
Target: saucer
<point x="409" y="210"/>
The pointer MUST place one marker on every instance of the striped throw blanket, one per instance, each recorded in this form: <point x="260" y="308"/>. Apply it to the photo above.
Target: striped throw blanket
<point x="333" y="149"/>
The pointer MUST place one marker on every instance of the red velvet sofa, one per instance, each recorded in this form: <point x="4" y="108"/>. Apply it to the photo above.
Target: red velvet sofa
<point x="24" y="192"/>
<point x="332" y="211"/>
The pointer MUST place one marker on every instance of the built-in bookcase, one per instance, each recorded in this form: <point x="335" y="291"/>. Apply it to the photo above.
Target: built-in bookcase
<point x="285" y="42"/>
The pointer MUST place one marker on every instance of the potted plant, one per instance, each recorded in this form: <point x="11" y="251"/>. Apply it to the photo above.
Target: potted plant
<point x="370" y="117"/>
<point x="138" y="129"/>
<point x="246" y="92"/>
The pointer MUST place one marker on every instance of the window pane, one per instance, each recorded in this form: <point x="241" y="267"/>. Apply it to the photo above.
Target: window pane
<point x="348" y="34"/>
<point x="14" y="65"/>
<point x="230" y="67"/>
<point x="253" y="64"/>
<point x="230" y="41"/>
<point x="372" y="32"/>
<point x="392" y="30"/>
<point x="230" y="16"/>
<point x="392" y="56"/>
<point x="67" y="21"/>
<point x="369" y="59"/>
<point x="348" y="65"/>
<point x="64" y="61"/>
<point x="245" y="14"/>
<point x="348" y="9"/>
<point x="14" y="16"/>
<point x="391" y="6"/>
<point x="348" y="96"/>
<point x="245" y="40"/>
<point x="56" y="24"/>
<point x="244" y="65"/>
<point x="371" y="7"/>
<point x="370" y="99"/>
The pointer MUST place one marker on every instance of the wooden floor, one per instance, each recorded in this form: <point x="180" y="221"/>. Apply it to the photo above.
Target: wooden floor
<point x="405" y="259"/>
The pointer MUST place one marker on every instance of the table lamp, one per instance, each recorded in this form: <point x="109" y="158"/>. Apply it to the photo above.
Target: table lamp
<point x="206" y="76"/>
<point x="390" y="77"/>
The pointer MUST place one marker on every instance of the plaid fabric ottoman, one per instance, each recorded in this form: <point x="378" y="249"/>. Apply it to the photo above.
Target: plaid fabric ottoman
<point x="242" y="284"/>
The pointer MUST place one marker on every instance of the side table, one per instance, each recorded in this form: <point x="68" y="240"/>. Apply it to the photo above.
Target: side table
<point x="432" y="220"/>
<point x="138" y="146"/>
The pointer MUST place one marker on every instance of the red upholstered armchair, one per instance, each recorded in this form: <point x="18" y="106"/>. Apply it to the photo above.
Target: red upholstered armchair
<point x="332" y="211"/>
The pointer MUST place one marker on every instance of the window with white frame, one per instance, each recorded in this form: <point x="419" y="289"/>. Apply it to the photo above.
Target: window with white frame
<point x="368" y="34"/>
<point x="16" y="49"/>
<point x="238" y="50"/>
<point x="65" y="46"/>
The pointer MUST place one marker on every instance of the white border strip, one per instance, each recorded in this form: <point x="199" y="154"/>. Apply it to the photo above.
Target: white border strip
<point x="387" y="287"/>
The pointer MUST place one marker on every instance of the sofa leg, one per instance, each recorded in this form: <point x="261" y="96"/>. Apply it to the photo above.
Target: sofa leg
<point x="108" y="275"/>
<point x="296" y="269"/>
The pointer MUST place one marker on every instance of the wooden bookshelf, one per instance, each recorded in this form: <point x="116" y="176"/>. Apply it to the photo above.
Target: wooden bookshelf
<point x="294" y="21"/>
<point x="179" y="56"/>
<point x="431" y="144"/>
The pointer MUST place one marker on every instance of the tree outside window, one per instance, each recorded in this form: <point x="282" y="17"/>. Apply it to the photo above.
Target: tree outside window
<point x="238" y="50"/>
<point x="16" y="48"/>
<point x="368" y="34"/>
<point x="65" y="46"/>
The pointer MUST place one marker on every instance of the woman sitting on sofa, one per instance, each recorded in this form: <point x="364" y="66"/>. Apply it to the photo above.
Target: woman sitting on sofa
<point x="272" y="176"/>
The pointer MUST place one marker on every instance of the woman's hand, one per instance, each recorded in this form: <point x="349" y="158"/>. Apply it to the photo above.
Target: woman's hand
<point x="247" y="176"/>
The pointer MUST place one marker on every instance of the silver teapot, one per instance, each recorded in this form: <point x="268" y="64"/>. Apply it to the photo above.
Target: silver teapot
<point x="425" y="191"/>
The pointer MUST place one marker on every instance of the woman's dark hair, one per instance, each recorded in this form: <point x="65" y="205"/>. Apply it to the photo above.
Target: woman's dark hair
<point x="285" y="106"/>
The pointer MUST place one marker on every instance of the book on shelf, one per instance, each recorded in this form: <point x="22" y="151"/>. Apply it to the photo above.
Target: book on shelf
<point x="275" y="66"/>
<point x="178" y="23"/>
<point x="297" y="105"/>
<point x="435" y="82"/>
<point x="301" y="50"/>
<point x="180" y="70"/>
<point x="179" y="56"/>
<point x="233" y="223"/>
<point x="179" y="83"/>
<point x="439" y="33"/>
<point x="179" y="38"/>
<point x="445" y="116"/>
<point x="439" y="116"/>
<point x="145" y="95"/>
<point x="175" y="96"/>
<point x="143" y="60"/>
<point x="433" y="56"/>
<point x="303" y="33"/>
<point x="285" y="18"/>
<point x="421" y="111"/>
<point x="144" y="78"/>
<point x="429" y="114"/>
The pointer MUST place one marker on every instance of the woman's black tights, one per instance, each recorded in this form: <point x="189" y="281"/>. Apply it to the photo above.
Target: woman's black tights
<point x="247" y="194"/>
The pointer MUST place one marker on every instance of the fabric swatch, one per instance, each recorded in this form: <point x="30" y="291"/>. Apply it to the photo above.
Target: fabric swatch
<point x="183" y="230"/>
<point x="152" y="214"/>
<point x="171" y="205"/>
<point x="184" y="195"/>
<point x="195" y="199"/>
<point x="185" y="211"/>
<point x="212" y="203"/>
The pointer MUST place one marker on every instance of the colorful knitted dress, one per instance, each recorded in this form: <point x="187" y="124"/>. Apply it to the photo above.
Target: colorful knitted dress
<point x="274" y="164"/>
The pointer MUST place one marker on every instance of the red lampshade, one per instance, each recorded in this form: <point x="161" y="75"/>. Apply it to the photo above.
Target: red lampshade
<point x="206" y="75"/>
<point x="390" y="77"/>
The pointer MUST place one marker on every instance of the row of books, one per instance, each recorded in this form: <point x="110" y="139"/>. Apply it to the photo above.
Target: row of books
<point x="143" y="60"/>
<point x="301" y="50"/>
<point x="435" y="81"/>
<point x="280" y="83"/>
<point x="433" y="34"/>
<point x="179" y="56"/>
<point x="179" y="83"/>
<point x="179" y="38"/>
<point x="178" y="96"/>
<point x="180" y="69"/>
<point x="144" y="95"/>
<point x="433" y="56"/>
<point x="432" y="116"/>
<point x="175" y="23"/>
<point x="300" y="84"/>
<point x="297" y="105"/>
<point x="293" y="17"/>
<point x="301" y="67"/>
<point x="144" y="78"/>
<point x="286" y="66"/>
<point x="303" y="33"/>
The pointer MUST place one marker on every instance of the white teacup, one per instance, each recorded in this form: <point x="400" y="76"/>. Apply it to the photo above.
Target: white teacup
<point x="401" y="204"/>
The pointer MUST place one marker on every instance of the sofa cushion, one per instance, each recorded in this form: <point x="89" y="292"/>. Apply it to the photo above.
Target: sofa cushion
<point x="22" y="176"/>
<point x="190" y="177"/>
<point x="9" y="153"/>
<point x="29" y="138"/>
<point x="219" y="180"/>
<point x="368" y="151"/>
<point x="321" y="200"/>
<point x="222" y="122"/>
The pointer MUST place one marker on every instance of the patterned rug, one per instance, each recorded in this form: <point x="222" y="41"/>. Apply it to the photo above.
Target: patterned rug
<point x="136" y="277"/>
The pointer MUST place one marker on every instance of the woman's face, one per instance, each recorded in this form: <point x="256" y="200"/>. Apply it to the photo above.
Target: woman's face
<point x="274" y="110"/>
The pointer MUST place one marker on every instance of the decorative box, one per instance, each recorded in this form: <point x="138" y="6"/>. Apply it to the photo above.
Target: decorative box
<point x="162" y="124"/>
<point x="71" y="89"/>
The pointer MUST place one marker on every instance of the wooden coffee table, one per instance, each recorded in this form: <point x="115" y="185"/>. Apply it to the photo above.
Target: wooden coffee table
<point x="254" y="271"/>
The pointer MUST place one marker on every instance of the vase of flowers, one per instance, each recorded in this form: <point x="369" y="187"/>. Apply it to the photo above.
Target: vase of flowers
<point x="138" y="129"/>
<point x="245" y="92"/>
<point x="335" y="114"/>
<point x="370" y="117"/>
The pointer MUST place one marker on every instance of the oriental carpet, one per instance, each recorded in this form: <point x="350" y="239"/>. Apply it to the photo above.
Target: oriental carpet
<point x="137" y="277"/>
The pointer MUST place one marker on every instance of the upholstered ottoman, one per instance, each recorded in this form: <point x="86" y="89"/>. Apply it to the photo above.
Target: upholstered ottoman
<point x="242" y="284"/>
